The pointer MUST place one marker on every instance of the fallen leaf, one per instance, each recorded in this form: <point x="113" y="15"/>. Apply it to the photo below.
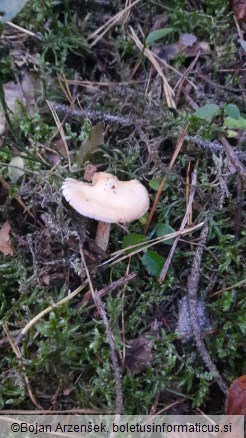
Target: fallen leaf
<point x="67" y="391"/>
<point x="236" y="405"/>
<point x="239" y="9"/>
<point x="90" y="169"/>
<point x="236" y="401"/>
<point x="187" y="45"/>
<point x="16" y="169"/>
<point x="91" y="143"/>
<point x="5" y="247"/>
<point x="139" y="354"/>
<point x="187" y="39"/>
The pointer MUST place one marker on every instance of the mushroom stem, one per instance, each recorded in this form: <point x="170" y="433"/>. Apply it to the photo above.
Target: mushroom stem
<point x="102" y="235"/>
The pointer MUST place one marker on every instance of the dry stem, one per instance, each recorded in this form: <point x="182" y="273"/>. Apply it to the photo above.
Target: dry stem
<point x="182" y="226"/>
<point x="193" y="282"/>
<point x="110" y="338"/>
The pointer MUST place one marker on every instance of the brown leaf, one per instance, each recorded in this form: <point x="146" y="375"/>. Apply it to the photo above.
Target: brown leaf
<point x="236" y="401"/>
<point x="187" y="45"/>
<point x="239" y="9"/>
<point x="5" y="247"/>
<point x="139" y="355"/>
<point x="90" y="169"/>
<point x="91" y="143"/>
<point x="236" y="404"/>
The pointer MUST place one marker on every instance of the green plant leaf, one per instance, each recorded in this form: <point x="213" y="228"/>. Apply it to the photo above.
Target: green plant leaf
<point x="143" y="219"/>
<point x="133" y="239"/>
<point x="163" y="230"/>
<point x="157" y="35"/>
<point x="155" y="183"/>
<point x="153" y="262"/>
<point x="232" y="123"/>
<point x="10" y="8"/>
<point x="207" y="112"/>
<point x="232" y="111"/>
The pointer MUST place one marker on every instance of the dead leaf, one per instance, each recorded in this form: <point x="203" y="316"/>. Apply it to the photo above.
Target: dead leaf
<point x="16" y="169"/>
<point x="60" y="147"/>
<point x="90" y="169"/>
<point x="67" y="391"/>
<point x="236" y="401"/>
<point x="139" y="354"/>
<point x="239" y="9"/>
<point x="236" y="404"/>
<point x="5" y="247"/>
<point x="187" y="39"/>
<point x="89" y="145"/>
<point x="187" y="45"/>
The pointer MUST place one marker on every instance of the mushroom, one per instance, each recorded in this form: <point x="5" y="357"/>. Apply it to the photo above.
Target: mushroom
<point x="107" y="200"/>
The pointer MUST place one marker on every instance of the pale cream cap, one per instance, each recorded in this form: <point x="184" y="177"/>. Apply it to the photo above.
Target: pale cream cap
<point x="107" y="199"/>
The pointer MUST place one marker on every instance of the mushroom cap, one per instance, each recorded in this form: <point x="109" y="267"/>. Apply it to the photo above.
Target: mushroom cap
<point x="106" y="198"/>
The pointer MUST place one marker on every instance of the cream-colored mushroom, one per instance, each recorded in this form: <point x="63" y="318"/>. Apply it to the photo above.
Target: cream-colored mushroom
<point x="107" y="200"/>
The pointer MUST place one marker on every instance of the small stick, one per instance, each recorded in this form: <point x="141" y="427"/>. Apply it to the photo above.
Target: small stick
<point x="179" y="145"/>
<point x="232" y="158"/>
<point x="193" y="282"/>
<point x="27" y="32"/>
<point x="18" y="354"/>
<point x="121" y="282"/>
<point x="239" y="202"/>
<point x="182" y="226"/>
<point x="94" y="116"/>
<point x="102" y="312"/>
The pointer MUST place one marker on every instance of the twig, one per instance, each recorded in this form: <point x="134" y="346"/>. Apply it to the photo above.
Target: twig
<point x="18" y="354"/>
<point x="94" y="116"/>
<point x="182" y="226"/>
<point x="111" y="22"/>
<point x="110" y="338"/>
<point x="232" y="158"/>
<point x="239" y="203"/>
<point x="169" y="93"/>
<point x="238" y="284"/>
<point x="178" y="147"/>
<point x="193" y="282"/>
<point x="213" y="146"/>
<point x="60" y="129"/>
<point x="121" y="282"/>
<point x="25" y="31"/>
<point x="116" y="368"/>
<point x="148" y="245"/>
